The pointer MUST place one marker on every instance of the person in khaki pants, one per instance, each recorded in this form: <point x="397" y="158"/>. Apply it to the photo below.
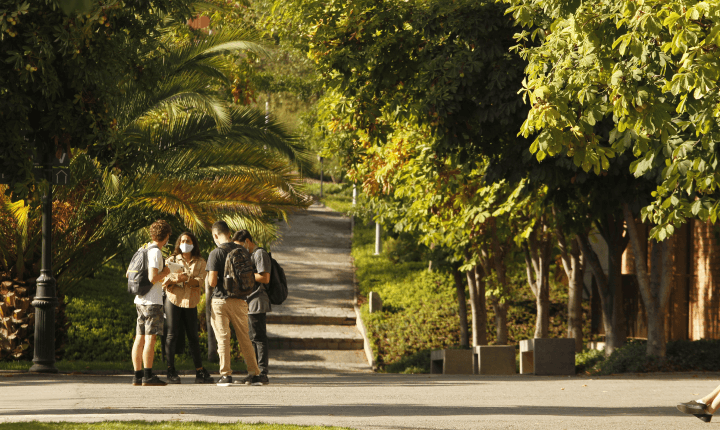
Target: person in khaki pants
<point x="226" y="310"/>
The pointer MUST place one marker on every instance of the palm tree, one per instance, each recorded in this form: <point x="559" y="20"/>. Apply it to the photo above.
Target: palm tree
<point x="188" y="154"/>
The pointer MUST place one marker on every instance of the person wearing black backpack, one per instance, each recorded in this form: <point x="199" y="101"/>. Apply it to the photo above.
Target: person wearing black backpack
<point x="258" y="301"/>
<point x="228" y="308"/>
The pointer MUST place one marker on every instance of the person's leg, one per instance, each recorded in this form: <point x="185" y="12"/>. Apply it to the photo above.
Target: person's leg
<point x="712" y="400"/>
<point x="258" y="337"/>
<point x="239" y="317"/>
<point x="139" y="343"/>
<point x="173" y="319"/>
<point x="221" y="326"/>
<point x="149" y="351"/>
<point x="190" y="322"/>
<point x="137" y="349"/>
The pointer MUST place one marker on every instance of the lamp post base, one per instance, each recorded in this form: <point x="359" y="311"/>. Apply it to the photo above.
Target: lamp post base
<point x="44" y="368"/>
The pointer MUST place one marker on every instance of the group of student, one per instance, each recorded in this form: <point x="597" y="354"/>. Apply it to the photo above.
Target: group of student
<point x="182" y="289"/>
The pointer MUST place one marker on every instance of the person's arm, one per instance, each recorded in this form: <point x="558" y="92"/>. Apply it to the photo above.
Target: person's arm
<point x="156" y="275"/>
<point x="197" y="281"/>
<point x="263" y="265"/>
<point x="212" y="278"/>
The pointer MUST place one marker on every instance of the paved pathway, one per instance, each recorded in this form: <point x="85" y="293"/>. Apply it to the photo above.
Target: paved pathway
<point x="315" y="329"/>
<point x="370" y="401"/>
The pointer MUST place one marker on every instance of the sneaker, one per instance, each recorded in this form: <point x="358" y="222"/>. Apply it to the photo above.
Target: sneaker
<point x="153" y="381"/>
<point x="262" y="379"/>
<point x="137" y="381"/>
<point x="225" y="381"/>
<point x="692" y="407"/>
<point x="251" y="380"/>
<point x="172" y="376"/>
<point x="202" y="376"/>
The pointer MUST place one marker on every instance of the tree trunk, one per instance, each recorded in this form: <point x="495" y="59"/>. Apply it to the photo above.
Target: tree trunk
<point x="499" y="304"/>
<point x="574" y="266"/>
<point x="537" y="266"/>
<point x="606" y="297"/>
<point x="462" y="307"/>
<point x="477" y="306"/>
<point x="501" y="310"/>
<point x="610" y="285"/>
<point x="654" y="286"/>
<point x="612" y="230"/>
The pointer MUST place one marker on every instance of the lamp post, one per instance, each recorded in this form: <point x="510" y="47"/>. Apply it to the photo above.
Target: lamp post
<point x="321" y="175"/>
<point x="378" y="238"/>
<point x="352" y="217"/>
<point x="45" y="299"/>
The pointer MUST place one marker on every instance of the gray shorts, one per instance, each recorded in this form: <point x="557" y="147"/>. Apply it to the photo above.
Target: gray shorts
<point x="150" y="319"/>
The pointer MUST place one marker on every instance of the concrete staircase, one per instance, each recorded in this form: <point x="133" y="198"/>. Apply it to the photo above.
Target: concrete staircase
<point x="315" y="329"/>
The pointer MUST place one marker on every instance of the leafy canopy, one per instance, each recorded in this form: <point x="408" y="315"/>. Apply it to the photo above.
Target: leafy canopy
<point x="651" y="67"/>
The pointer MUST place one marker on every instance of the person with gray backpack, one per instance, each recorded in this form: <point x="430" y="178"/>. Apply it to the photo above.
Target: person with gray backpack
<point x="145" y="277"/>
<point x="258" y="301"/>
<point x="230" y="274"/>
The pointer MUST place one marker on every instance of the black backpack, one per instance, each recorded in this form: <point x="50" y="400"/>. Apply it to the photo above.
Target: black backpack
<point x="137" y="274"/>
<point x="239" y="274"/>
<point x="277" y="287"/>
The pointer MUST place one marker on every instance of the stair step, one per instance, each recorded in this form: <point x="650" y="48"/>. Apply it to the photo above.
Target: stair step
<point x="314" y="361"/>
<point x="311" y="315"/>
<point x="327" y="337"/>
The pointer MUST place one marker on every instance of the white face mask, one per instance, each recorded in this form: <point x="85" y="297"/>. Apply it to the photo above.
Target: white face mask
<point x="186" y="247"/>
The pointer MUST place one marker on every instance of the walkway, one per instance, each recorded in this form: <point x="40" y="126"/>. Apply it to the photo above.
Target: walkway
<point x="315" y="329"/>
<point x="370" y="401"/>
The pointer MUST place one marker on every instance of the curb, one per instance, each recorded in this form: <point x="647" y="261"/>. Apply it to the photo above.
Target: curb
<point x="360" y="324"/>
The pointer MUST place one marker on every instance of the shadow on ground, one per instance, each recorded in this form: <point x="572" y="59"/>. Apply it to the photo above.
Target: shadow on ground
<point x="353" y="410"/>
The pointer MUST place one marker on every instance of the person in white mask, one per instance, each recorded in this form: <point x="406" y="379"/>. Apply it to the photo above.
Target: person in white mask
<point x="183" y="290"/>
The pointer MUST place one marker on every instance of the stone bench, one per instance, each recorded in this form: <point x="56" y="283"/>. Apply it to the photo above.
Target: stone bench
<point x="547" y="356"/>
<point x="451" y="362"/>
<point x="494" y="360"/>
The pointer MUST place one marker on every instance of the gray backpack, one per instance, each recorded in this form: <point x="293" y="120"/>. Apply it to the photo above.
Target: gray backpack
<point x="239" y="274"/>
<point x="137" y="274"/>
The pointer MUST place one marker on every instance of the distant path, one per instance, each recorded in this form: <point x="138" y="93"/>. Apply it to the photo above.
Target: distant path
<point x="314" y="330"/>
<point x="370" y="401"/>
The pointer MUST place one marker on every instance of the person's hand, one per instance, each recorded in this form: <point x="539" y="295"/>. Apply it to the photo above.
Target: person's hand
<point x="182" y="277"/>
<point x="170" y="279"/>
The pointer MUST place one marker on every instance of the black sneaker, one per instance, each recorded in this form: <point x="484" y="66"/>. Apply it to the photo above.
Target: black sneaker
<point x="246" y="380"/>
<point x="153" y="381"/>
<point x="172" y="376"/>
<point x="262" y="379"/>
<point x="137" y="381"/>
<point x="225" y="381"/>
<point x="202" y="376"/>
<point x="251" y="380"/>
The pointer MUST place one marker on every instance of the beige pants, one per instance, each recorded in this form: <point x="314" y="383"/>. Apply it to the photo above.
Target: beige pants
<point x="225" y="311"/>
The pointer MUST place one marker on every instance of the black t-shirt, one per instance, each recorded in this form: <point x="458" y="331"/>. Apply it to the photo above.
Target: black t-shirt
<point x="216" y="263"/>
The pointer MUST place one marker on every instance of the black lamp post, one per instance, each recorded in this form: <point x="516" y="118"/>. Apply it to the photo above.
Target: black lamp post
<point x="45" y="297"/>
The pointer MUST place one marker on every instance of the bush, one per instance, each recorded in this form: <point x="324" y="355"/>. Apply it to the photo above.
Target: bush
<point x="681" y="356"/>
<point x="587" y="360"/>
<point x="102" y="317"/>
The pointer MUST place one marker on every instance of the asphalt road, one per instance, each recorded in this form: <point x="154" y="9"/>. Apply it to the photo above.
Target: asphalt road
<point x="373" y="401"/>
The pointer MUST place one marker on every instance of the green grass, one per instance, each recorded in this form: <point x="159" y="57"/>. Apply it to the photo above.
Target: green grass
<point x="141" y="425"/>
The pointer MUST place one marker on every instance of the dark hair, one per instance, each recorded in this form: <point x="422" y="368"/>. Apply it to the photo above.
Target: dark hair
<point x="221" y="227"/>
<point x="159" y="230"/>
<point x="196" y="248"/>
<point x="242" y="236"/>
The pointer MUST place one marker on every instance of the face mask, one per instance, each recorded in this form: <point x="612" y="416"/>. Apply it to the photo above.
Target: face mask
<point x="186" y="247"/>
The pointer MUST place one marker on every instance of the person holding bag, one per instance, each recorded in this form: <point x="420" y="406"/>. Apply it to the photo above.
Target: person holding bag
<point x="183" y="290"/>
